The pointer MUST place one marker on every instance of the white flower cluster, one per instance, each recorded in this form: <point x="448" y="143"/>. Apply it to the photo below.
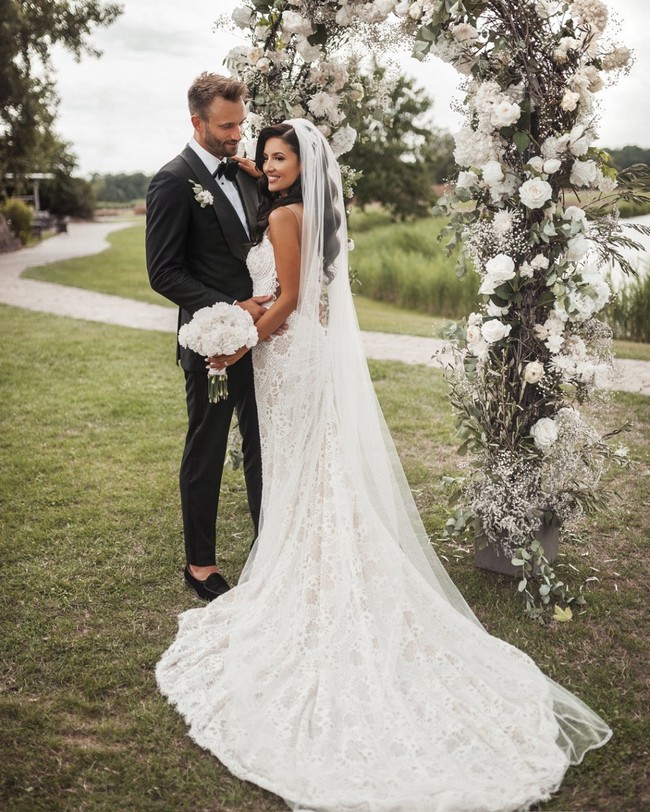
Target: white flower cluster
<point x="220" y="329"/>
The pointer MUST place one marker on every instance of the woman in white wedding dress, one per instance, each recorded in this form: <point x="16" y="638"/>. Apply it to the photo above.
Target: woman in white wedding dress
<point x="345" y="671"/>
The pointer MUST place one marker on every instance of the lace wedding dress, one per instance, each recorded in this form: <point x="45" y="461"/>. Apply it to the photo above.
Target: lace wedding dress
<point x="344" y="672"/>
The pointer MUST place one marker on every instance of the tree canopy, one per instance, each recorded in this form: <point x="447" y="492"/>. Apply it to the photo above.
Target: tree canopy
<point x="28" y="101"/>
<point x="398" y="150"/>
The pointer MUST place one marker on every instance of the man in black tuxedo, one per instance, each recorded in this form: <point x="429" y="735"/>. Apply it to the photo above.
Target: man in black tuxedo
<point x="200" y="213"/>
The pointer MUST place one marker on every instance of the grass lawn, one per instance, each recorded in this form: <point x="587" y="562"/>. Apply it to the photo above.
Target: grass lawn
<point x="121" y="271"/>
<point x="91" y="557"/>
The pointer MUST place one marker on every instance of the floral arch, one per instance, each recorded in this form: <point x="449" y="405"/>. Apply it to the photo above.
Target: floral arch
<point x="533" y="212"/>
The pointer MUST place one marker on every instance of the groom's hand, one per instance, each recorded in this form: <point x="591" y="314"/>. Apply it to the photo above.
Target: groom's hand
<point x="254" y="306"/>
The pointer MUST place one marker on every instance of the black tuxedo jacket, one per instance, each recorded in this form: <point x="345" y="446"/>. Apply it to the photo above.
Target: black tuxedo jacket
<point x="195" y="255"/>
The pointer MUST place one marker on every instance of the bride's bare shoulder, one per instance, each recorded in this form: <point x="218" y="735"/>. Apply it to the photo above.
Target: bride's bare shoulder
<point x="286" y="219"/>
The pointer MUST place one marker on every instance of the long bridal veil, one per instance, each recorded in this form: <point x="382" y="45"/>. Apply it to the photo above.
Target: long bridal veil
<point x="327" y="351"/>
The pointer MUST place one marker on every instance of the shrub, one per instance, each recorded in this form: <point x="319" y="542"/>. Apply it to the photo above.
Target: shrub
<point x="19" y="218"/>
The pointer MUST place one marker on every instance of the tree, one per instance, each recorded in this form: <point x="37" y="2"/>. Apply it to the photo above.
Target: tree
<point x="627" y="156"/>
<point x="28" y="100"/>
<point x="398" y="150"/>
<point x="120" y="188"/>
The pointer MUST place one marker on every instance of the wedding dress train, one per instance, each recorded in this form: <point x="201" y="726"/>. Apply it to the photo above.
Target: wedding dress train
<point x="344" y="671"/>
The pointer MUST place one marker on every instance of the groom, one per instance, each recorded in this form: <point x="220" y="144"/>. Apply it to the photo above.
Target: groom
<point x="200" y="213"/>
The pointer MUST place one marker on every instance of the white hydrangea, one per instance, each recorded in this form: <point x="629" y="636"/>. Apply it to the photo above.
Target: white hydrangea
<point x="618" y="58"/>
<point x="343" y="140"/>
<point x="474" y="148"/>
<point x="591" y="14"/>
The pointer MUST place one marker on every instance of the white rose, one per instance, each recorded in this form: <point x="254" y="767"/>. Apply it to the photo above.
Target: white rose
<point x="537" y="163"/>
<point x="495" y="311"/>
<point x="534" y="193"/>
<point x="574" y="213"/>
<point x="505" y="113"/>
<point x="499" y="269"/>
<point x="544" y="432"/>
<point x="580" y="140"/>
<point x="533" y="372"/>
<point x="254" y="55"/>
<point x="473" y="334"/>
<point x="492" y="172"/>
<point x="466" y="180"/>
<point x="551" y="166"/>
<point x="494" y="330"/>
<point x="243" y="16"/>
<point x="583" y="173"/>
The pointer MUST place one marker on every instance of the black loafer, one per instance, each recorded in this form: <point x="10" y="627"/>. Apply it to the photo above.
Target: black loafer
<point x="213" y="586"/>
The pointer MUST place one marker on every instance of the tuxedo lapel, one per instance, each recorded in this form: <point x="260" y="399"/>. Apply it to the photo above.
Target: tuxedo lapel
<point x="250" y="198"/>
<point x="231" y="225"/>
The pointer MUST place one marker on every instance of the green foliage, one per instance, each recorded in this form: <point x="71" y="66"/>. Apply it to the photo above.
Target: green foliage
<point x="398" y="151"/>
<point x="624" y="157"/>
<point x="28" y="101"/>
<point x="19" y="217"/>
<point x="404" y="264"/>
<point x="120" y="188"/>
<point x="67" y="195"/>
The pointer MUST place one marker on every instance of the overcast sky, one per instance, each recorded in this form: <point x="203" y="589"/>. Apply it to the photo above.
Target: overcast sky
<point x="126" y="112"/>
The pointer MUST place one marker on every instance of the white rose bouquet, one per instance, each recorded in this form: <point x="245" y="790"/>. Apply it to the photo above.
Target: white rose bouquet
<point x="220" y="329"/>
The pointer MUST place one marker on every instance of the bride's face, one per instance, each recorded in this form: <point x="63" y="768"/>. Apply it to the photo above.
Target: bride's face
<point x="281" y="166"/>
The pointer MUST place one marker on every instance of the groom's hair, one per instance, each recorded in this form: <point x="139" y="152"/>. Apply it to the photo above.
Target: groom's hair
<point x="209" y="86"/>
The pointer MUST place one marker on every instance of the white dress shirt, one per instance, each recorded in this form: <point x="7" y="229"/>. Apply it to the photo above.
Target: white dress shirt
<point x="228" y="187"/>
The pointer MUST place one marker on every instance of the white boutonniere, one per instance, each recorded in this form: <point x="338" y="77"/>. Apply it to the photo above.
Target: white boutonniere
<point x="201" y="195"/>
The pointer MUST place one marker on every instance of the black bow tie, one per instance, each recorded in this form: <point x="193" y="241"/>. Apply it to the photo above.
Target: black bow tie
<point x="227" y="168"/>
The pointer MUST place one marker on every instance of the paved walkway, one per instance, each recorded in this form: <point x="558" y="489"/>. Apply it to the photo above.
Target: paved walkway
<point x="84" y="239"/>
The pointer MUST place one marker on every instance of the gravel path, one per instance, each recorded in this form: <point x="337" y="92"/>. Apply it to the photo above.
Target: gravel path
<point x="84" y="239"/>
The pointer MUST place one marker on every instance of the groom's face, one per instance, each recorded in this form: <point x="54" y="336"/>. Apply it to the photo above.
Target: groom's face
<point x="220" y="132"/>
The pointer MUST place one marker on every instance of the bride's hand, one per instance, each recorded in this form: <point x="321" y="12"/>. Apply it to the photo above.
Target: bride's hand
<point x="248" y="165"/>
<point x="223" y="361"/>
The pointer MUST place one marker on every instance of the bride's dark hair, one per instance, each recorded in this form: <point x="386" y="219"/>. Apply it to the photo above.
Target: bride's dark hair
<point x="269" y="201"/>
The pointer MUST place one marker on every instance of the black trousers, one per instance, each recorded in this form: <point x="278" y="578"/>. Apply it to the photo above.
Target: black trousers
<point x="204" y="455"/>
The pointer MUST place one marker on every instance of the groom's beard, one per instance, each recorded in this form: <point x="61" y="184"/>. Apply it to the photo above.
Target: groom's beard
<point x="220" y="149"/>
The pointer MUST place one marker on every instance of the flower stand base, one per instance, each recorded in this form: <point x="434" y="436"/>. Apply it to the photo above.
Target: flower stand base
<point x="492" y="557"/>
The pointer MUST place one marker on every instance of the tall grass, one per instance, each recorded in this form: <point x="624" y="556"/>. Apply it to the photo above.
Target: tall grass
<point x="406" y="265"/>
<point x="628" y="314"/>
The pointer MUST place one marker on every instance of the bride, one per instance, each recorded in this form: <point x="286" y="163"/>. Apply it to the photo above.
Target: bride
<point x="345" y="671"/>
